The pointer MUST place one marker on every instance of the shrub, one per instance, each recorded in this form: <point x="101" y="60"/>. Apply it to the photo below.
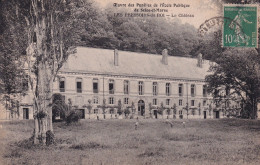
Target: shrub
<point x="127" y="112"/>
<point x="59" y="107"/>
<point x="90" y="145"/>
<point x="119" y="111"/>
<point x="73" y="117"/>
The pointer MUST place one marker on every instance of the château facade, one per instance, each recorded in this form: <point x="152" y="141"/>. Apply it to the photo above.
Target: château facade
<point x="148" y="85"/>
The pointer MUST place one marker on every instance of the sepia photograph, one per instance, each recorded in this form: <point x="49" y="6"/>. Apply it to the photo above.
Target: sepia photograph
<point x="129" y="82"/>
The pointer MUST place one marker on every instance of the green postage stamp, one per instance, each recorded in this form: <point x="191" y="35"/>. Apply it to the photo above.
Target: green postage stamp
<point x="240" y="26"/>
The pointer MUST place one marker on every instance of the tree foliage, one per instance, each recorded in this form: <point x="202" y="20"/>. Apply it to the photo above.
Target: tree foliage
<point x="237" y="70"/>
<point x="45" y="33"/>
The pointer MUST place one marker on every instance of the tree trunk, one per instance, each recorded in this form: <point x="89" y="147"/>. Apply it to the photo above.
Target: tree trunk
<point x="44" y="81"/>
<point x="50" y="126"/>
<point x="44" y="99"/>
<point x="36" y="131"/>
<point x="253" y="114"/>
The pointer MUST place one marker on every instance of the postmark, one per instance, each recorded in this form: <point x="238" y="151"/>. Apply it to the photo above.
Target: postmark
<point x="213" y="23"/>
<point x="242" y="30"/>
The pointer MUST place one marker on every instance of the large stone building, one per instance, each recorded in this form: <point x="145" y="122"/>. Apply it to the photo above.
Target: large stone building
<point x="145" y="84"/>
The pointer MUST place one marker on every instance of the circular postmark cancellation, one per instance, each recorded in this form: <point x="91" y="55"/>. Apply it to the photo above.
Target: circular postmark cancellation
<point x="215" y="24"/>
<point x="239" y="26"/>
<point x="212" y="23"/>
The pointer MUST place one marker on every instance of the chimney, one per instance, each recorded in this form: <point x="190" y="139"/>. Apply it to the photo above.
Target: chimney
<point x="116" y="57"/>
<point x="199" y="64"/>
<point x="165" y="56"/>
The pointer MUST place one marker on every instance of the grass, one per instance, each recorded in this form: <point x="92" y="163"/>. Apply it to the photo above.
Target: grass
<point x="225" y="141"/>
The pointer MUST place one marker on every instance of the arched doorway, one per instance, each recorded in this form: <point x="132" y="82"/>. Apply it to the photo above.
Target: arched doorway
<point x="141" y="107"/>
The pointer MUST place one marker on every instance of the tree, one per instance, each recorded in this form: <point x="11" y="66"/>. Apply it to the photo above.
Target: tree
<point x="126" y="112"/>
<point x="210" y="45"/>
<point x="119" y="108"/>
<point x="237" y="69"/>
<point x="152" y="35"/>
<point x="161" y="109"/>
<point x="150" y="109"/>
<point x="104" y="107"/>
<point x="111" y="111"/>
<point x="168" y="110"/>
<point x="131" y="36"/>
<point x="71" y="115"/>
<point x="47" y="29"/>
<point x="174" y="110"/>
<point x="89" y="107"/>
<point x="12" y="77"/>
<point x="133" y="109"/>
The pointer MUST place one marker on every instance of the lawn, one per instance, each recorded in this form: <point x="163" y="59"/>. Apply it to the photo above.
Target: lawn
<point x="224" y="141"/>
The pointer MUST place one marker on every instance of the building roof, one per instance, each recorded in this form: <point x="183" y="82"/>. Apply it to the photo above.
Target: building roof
<point x="101" y="61"/>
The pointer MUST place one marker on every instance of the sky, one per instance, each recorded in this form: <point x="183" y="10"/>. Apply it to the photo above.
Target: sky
<point x="201" y="9"/>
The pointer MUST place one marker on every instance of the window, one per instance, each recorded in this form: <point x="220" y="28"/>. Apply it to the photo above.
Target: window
<point x="111" y="100"/>
<point x="180" y="112"/>
<point x="95" y="111"/>
<point x="126" y="87"/>
<point x="155" y="86"/>
<point x="25" y="113"/>
<point x="204" y="102"/>
<point x="62" y="84"/>
<point x="193" y="112"/>
<point x="79" y="85"/>
<point x="204" y="90"/>
<point x="180" y="102"/>
<point x="167" y="101"/>
<point x="154" y="101"/>
<point x="192" y="103"/>
<point x="126" y="100"/>
<point x="95" y="100"/>
<point x="111" y="111"/>
<point x="192" y="90"/>
<point x="141" y="87"/>
<point x="167" y="89"/>
<point x="95" y="85"/>
<point x="111" y="86"/>
<point x="180" y="89"/>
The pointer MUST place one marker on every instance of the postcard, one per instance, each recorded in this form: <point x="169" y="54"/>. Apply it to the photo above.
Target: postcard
<point x="129" y="82"/>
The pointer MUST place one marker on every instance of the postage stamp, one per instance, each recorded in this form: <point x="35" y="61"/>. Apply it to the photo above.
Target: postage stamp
<point x="241" y="31"/>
